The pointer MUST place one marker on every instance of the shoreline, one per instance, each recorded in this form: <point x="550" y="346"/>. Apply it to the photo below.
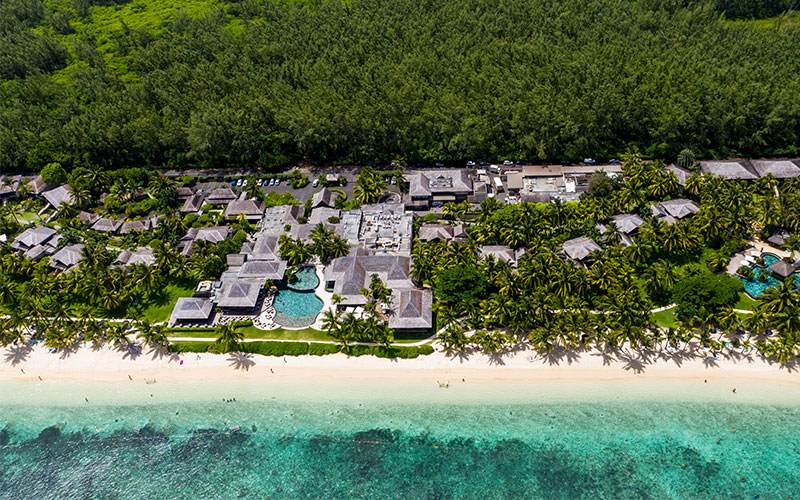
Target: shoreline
<point x="37" y="364"/>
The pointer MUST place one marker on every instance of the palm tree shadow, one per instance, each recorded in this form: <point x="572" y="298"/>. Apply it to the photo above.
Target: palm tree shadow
<point x="633" y="362"/>
<point x="241" y="361"/>
<point x="710" y="362"/>
<point x="131" y="351"/>
<point x="16" y="354"/>
<point x="65" y="352"/>
<point x="461" y="354"/>
<point x="609" y="354"/>
<point x="159" y="352"/>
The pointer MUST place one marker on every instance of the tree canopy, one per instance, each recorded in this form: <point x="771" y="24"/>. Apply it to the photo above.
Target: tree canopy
<point x="267" y="82"/>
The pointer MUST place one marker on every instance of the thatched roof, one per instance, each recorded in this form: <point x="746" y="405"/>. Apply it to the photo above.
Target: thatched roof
<point x="782" y="268"/>
<point x="580" y="248"/>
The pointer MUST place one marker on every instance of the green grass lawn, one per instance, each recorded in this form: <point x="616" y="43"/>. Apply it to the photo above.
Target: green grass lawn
<point x="158" y="308"/>
<point x="665" y="319"/>
<point x="745" y="302"/>
<point x="251" y="332"/>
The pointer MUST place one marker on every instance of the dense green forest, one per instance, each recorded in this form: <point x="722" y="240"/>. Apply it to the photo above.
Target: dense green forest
<point x="266" y="82"/>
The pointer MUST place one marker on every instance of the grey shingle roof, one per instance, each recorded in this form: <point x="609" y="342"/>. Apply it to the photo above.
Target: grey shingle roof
<point x="191" y="309"/>
<point x="680" y="173"/>
<point x="107" y="225"/>
<point x="59" y="195"/>
<point x="729" y="169"/>
<point x="627" y="223"/>
<point x="67" y="257"/>
<point x="249" y="208"/>
<point x="135" y="226"/>
<point x="679" y="207"/>
<point x="411" y="310"/>
<point x="430" y="232"/>
<point x="262" y="270"/>
<point x="32" y="237"/>
<point x="36" y="252"/>
<point x="323" y="198"/>
<point x="222" y="195"/>
<point x="142" y="255"/>
<point x="88" y="217"/>
<point x="780" y="169"/>
<point x="579" y="248"/>
<point x="499" y="252"/>
<point x="429" y="182"/>
<point x="193" y="203"/>
<point x="265" y="248"/>
<point x="782" y="268"/>
<point x="352" y="273"/>
<point x="213" y="234"/>
<point x="239" y="294"/>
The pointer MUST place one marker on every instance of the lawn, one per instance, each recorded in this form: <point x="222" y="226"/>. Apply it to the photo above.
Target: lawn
<point x="665" y="319"/>
<point x="158" y="308"/>
<point x="745" y="302"/>
<point x="251" y="332"/>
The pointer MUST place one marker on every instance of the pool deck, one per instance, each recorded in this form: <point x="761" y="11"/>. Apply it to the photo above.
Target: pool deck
<point x="757" y="249"/>
<point x="326" y="296"/>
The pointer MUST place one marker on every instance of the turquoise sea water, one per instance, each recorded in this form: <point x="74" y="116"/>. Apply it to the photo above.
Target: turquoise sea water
<point x="357" y="444"/>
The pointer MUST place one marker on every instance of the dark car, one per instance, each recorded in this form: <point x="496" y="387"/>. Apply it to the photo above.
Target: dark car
<point x="484" y="164"/>
<point x="439" y="164"/>
<point x="566" y="162"/>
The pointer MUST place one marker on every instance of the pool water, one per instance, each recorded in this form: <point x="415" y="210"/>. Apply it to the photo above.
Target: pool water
<point x="306" y="279"/>
<point x="296" y="309"/>
<point x="754" y="287"/>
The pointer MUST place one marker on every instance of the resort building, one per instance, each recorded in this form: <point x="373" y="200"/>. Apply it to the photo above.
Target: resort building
<point x="324" y="198"/>
<point x="262" y="271"/>
<point x="251" y="210"/>
<point x="135" y="226"/>
<point x="578" y="249"/>
<point x="213" y="234"/>
<point x="239" y="296"/>
<point x="435" y="187"/>
<point x="183" y="193"/>
<point x="729" y="169"/>
<point x="782" y="269"/>
<point x="383" y="228"/>
<point x="780" y="169"/>
<point x="672" y="210"/>
<point x="192" y="311"/>
<point x="266" y="247"/>
<point x="67" y="258"/>
<point x="33" y="237"/>
<point x="680" y="173"/>
<point x="276" y="218"/>
<point x="220" y="196"/>
<point x="88" y="218"/>
<point x="193" y="204"/>
<point x="442" y="232"/>
<point x="104" y="225"/>
<point x="59" y="196"/>
<point x="500" y="253"/>
<point x="410" y="306"/>
<point x="627" y="223"/>
<point x="141" y="256"/>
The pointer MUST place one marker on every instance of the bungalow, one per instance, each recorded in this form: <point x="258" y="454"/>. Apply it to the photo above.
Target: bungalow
<point x="192" y="311"/>
<point x="778" y="239"/>
<point x="140" y="256"/>
<point x="59" y="196"/>
<point x="500" y="253"/>
<point x="627" y="223"/>
<point x="262" y="270"/>
<point x="671" y="210"/>
<point x="680" y="173"/>
<point x="780" y="169"/>
<point x="88" y="218"/>
<point x="266" y="247"/>
<point x="435" y="232"/>
<point x="8" y="187"/>
<point x="183" y="193"/>
<point x="32" y="237"/>
<point x="324" y="198"/>
<point x="221" y="196"/>
<point x="410" y="306"/>
<point x="239" y="296"/>
<point x="782" y="269"/>
<point x="426" y="188"/>
<point x="135" y="226"/>
<point x="729" y="169"/>
<point x="252" y="210"/>
<point x="213" y="234"/>
<point x="67" y="258"/>
<point x="104" y="225"/>
<point x="578" y="249"/>
<point x="193" y="204"/>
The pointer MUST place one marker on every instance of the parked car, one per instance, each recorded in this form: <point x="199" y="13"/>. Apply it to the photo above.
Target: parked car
<point x="484" y="164"/>
<point x="394" y="164"/>
<point x="439" y="164"/>
<point x="613" y="161"/>
<point x="239" y="183"/>
<point x="508" y="163"/>
<point x="244" y="183"/>
<point x="589" y="161"/>
<point x="278" y="182"/>
<point x="470" y="163"/>
<point x="566" y="162"/>
<point x="272" y="182"/>
<point x="394" y="180"/>
<point x="315" y="183"/>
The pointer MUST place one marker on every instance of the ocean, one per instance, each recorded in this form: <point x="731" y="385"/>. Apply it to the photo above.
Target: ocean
<point x="357" y="439"/>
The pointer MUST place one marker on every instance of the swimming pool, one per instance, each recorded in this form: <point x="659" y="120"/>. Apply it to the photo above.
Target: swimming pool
<point x="754" y="287"/>
<point x="306" y="280"/>
<point x="296" y="309"/>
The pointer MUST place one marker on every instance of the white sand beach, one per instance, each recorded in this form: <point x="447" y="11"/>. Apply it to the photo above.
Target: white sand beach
<point x="109" y="365"/>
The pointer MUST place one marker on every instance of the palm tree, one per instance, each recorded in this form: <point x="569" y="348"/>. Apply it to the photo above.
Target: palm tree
<point x="369" y="186"/>
<point x="228" y="337"/>
<point x="686" y="158"/>
<point x="780" y="298"/>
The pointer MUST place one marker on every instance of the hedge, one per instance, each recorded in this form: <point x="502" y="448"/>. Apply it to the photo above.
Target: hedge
<point x="272" y="348"/>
